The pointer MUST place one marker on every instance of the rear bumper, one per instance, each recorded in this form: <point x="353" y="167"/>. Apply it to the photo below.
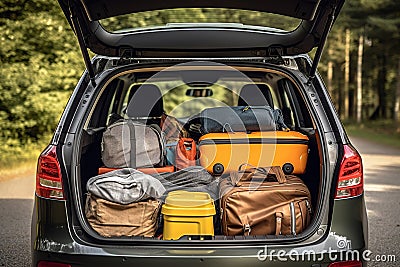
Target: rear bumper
<point x="53" y="240"/>
<point x="193" y="261"/>
<point x="184" y="258"/>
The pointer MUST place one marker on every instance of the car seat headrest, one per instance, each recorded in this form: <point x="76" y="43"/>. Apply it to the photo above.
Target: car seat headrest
<point x="145" y="101"/>
<point x="255" y="95"/>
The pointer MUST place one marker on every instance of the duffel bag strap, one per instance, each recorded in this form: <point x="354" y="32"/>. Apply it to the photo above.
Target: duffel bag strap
<point x="279" y="174"/>
<point x="257" y="173"/>
<point x="275" y="171"/>
<point x="245" y="175"/>
<point x="161" y="139"/>
<point x="247" y="167"/>
<point x="132" y="135"/>
<point x="252" y="172"/>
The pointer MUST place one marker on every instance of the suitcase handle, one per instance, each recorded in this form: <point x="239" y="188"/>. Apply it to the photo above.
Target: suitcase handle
<point x="257" y="174"/>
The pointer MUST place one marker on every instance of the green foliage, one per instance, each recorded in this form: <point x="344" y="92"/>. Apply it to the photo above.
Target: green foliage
<point x="41" y="62"/>
<point x="379" y="22"/>
<point x="40" y="65"/>
<point x="178" y="104"/>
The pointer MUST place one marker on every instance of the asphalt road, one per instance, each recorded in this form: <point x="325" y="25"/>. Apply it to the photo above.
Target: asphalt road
<point x="382" y="190"/>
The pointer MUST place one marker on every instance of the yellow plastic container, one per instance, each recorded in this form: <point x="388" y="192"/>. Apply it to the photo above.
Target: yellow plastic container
<point x="187" y="213"/>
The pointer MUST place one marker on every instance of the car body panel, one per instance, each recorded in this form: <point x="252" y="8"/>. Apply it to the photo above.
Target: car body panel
<point x="57" y="234"/>
<point x="350" y="220"/>
<point x="54" y="240"/>
<point x="59" y="231"/>
<point x="191" y="38"/>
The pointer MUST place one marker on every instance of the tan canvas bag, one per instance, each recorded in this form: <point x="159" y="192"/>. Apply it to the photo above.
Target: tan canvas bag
<point x="111" y="219"/>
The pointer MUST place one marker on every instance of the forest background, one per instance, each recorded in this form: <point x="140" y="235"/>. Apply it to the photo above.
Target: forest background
<point x="40" y="64"/>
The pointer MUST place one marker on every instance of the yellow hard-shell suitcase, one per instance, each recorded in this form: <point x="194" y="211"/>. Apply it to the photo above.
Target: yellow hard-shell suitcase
<point x="225" y="152"/>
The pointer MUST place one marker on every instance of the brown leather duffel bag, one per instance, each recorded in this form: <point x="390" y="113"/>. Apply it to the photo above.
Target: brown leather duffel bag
<point x="264" y="201"/>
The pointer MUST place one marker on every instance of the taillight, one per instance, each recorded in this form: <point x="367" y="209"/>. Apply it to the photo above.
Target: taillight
<point x="52" y="264"/>
<point x="48" y="176"/>
<point x="351" y="181"/>
<point x="346" y="264"/>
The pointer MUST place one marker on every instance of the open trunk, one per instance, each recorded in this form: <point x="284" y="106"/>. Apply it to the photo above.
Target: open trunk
<point x="187" y="89"/>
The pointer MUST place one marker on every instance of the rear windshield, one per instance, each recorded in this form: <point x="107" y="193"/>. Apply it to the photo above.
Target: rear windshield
<point x="183" y="100"/>
<point x="199" y="15"/>
<point x="185" y="92"/>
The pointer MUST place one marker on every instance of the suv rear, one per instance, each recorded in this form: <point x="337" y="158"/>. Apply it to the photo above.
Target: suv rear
<point x="193" y="75"/>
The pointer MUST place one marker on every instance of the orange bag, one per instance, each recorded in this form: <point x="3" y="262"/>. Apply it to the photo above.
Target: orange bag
<point x="185" y="153"/>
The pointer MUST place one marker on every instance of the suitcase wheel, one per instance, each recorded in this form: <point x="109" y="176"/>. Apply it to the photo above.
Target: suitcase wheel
<point x="287" y="168"/>
<point x="218" y="168"/>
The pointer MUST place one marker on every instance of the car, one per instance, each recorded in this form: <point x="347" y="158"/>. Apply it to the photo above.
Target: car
<point x="195" y="67"/>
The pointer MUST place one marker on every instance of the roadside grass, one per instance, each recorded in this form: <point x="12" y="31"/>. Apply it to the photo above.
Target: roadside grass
<point x="19" y="160"/>
<point x="382" y="132"/>
<point x="26" y="168"/>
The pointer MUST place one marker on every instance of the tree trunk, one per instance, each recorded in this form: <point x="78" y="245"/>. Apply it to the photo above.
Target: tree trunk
<point x="330" y="78"/>
<point x="359" y="78"/>
<point x="346" y="76"/>
<point x="380" y="111"/>
<point x="397" y="99"/>
<point x="382" y="77"/>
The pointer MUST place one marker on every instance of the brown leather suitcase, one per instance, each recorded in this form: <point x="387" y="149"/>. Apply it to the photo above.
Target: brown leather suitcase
<point x="264" y="201"/>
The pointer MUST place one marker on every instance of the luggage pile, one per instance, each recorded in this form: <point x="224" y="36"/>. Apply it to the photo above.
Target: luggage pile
<point x="124" y="202"/>
<point x="235" y="177"/>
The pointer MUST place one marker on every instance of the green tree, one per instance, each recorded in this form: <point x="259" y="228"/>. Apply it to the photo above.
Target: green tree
<point x="385" y="29"/>
<point x="377" y="21"/>
<point x="40" y="64"/>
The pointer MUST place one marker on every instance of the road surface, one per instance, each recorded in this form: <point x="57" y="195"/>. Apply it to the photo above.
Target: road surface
<point x="382" y="191"/>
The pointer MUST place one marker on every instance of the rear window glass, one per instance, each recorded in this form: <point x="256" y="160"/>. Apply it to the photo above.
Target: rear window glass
<point x="179" y="103"/>
<point x="184" y="94"/>
<point x="199" y="15"/>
